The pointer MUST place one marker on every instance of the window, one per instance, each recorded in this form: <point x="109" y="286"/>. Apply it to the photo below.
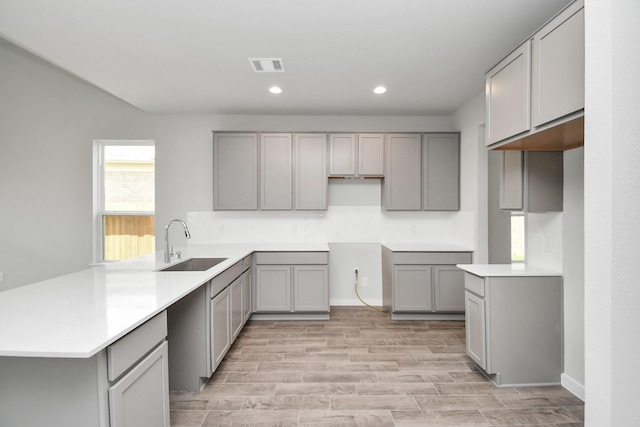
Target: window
<point x="125" y="214"/>
<point x="517" y="237"/>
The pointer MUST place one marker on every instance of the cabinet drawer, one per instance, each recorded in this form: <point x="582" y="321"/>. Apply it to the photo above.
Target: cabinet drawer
<point x="474" y="284"/>
<point x="125" y="352"/>
<point x="432" y="258"/>
<point x="292" y="258"/>
<point x="225" y="278"/>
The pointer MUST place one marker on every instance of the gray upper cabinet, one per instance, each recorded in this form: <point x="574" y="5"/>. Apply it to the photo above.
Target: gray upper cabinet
<point x="276" y="171"/>
<point x="540" y="85"/>
<point x="235" y="171"/>
<point x="370" y="154"/>
<point x="356" y="154"/>
<point x="511" y="180"/>
<point x="403" y="172"/>
<point x="441" y="172"/>
<point x="558" y="66"/>
<point x="342" y="154"/>
<point x="507" y="95"/>
<point x="531" y="181"/>
<point x="310" y="171"/>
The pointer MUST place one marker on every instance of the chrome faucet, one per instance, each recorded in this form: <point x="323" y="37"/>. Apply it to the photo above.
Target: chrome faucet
<point x="169" y="252"/>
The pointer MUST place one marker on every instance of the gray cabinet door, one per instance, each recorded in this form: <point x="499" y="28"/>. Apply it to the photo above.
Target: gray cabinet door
<point x="235" y="171"/>
<point x="246" y="295"/>
<point x="441" y="172"/>
<point x="370" y="154"/>
<point x="276" y="171"/>
<point x="311" y="288"/>
<point x="543" y="181"/>
<point x="558" y="66"/>
<point x="412" y="288"/>
<point x="342" y="154"/>
<point x="403" y="172"/>
<point x="448" y="286"/>
<point x="236" y="305"/>
<point x="141" y="397"/>
<point x="220" y="327"/>
<point x="475" y="329"/>
<point x="273" y="288"/>
<point x="511" y="180"/>
<point x="507" y="95"/>
<point x="531" y="181"/>
<point x="310" y="171"/>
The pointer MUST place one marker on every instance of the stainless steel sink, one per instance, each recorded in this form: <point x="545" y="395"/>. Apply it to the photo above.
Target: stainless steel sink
<point x="195" y="264"/>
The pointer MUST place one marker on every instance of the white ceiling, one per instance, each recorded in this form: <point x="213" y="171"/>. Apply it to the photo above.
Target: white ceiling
<point x="170" y="56"/>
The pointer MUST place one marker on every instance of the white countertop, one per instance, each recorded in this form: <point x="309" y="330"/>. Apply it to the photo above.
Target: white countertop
<point x="506" y="270"/>
<point x="425" y="247"/>
<point x="79" y="314"/>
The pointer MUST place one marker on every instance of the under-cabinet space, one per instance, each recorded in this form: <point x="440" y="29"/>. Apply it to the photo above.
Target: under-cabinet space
<point x="204" y="324"/>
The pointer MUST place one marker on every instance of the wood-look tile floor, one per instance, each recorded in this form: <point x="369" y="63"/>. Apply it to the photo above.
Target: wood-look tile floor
<point x="361" y="369"/>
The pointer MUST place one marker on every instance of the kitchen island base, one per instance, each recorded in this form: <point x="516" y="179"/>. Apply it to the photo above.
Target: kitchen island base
<point x="514" y="328"/>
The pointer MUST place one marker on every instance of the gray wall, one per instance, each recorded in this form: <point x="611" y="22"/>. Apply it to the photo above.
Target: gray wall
<point x="48" y="122"/>
<point x="573" y="270"/>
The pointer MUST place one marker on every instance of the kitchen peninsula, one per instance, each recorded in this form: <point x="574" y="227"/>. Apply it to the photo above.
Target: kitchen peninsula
<point x="514" y="327"/>
<point x="72" y="347"/>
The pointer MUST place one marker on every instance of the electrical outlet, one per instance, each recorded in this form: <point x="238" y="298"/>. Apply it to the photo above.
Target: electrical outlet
<point x="365" y="282"/>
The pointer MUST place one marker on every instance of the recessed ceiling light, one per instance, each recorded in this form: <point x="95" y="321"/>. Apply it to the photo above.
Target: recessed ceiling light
<point x="275" y="89"/>
<point x="379" y="90"/>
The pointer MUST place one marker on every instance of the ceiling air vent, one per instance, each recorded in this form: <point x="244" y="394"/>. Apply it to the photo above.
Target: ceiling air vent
<point x="267" y="65"/>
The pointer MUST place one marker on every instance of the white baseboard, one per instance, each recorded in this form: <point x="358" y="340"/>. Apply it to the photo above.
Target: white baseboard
<point x="573" y="386"/>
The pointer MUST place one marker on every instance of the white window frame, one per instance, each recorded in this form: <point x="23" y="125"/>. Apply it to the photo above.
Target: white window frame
<point x="98" y="194"/>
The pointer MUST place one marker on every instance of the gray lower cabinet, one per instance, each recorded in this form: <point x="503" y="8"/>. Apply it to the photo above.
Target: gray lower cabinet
<point x="235" y="171"/>
<point x="273" y="288"/>
<point x="126" y="384"/>
<point x="475" y="329"/>
<point x="291" y="282"/>
<point x="531" y="181"/>
<point x="448" y="294"/>
<point x="140" y="398"/>
<point x="419" y="284"/>
<point x="514" y="328"/>
<point x="412" y="289"/>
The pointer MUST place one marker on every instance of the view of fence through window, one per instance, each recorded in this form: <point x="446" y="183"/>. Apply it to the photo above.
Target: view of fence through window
<point x="128" y="220"/>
